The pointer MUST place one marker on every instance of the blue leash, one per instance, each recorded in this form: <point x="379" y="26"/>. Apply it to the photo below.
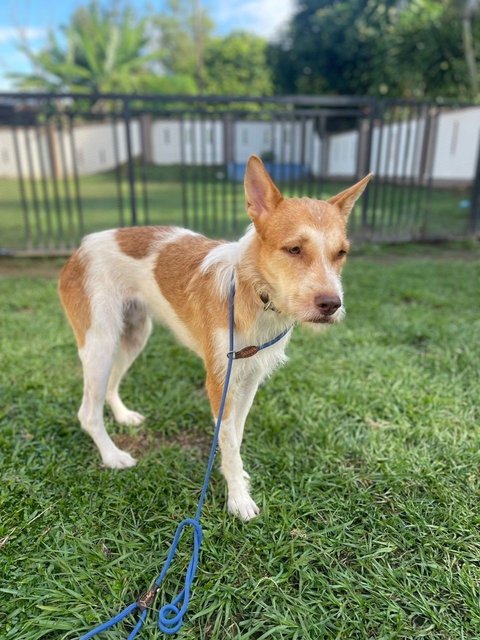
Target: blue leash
<point x="170" y="616"/>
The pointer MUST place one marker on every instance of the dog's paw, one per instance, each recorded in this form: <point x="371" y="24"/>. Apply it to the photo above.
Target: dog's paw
<point x="119" y="459"/>
<point x="243" y="506"/>
<point x="130" y="418"/>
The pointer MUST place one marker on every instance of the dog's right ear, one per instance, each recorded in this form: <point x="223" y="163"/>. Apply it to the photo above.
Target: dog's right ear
<point x="261" y="193"/>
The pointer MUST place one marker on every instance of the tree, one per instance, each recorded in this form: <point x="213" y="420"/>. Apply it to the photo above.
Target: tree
<point x="182" y="33"/>
<point x="431" y="57"/>
<point x="470" y="10"/>
<point x="111" y="50"/>
<point x="104" y="51"/>
<point x="334" y="47"/>
<point x="237" y="65"/>
<point x="409" y="48"/>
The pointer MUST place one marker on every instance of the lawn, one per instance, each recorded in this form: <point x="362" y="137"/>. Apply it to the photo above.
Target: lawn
<point x="363" y="451"/>
<point x="203" y="199"/>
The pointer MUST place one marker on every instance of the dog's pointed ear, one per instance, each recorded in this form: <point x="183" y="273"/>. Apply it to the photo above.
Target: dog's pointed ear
<point x="261" y="193"/>
<point x="346" y="199"/>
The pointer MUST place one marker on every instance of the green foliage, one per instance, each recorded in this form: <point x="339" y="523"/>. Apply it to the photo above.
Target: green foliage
<point x="237" y="65"/>
<point x="104" y="51"/>
<point x="182" y="36"/>
<point x="332" y="47"/>
<point x="427" y="50"/>
<point x="169" y="84"/>
<point x="367" y="47"/>
<point x="363" y="451"/>
<point x="169" y="52"/>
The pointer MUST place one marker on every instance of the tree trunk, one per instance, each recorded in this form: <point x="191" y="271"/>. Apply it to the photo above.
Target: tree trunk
<point x="468" y="45"/>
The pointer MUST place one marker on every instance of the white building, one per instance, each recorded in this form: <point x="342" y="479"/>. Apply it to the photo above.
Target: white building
<point x="398" y="148"/>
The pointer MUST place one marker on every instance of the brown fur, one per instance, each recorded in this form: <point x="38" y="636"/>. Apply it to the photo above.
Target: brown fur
<point x="177" y="274"/>
<point x="137" y="242"/>
<point x="74" y="297"/>
<point x="347" y="198"/>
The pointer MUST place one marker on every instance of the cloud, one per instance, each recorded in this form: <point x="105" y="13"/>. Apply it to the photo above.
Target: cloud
<point x="12" y="34"/>
<point x="264" y="17"/>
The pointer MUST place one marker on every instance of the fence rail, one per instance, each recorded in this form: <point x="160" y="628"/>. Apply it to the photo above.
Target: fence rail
<point x="71" y="164"/>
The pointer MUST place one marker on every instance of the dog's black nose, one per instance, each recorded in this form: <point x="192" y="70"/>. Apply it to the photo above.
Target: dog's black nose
<point x="328" y="304"/>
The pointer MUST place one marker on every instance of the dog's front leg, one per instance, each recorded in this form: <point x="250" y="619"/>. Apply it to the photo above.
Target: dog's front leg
<point x="239" y="501"/>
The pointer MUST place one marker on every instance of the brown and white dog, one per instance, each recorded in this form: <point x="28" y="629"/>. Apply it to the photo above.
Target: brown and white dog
<point x="287" y="269"/>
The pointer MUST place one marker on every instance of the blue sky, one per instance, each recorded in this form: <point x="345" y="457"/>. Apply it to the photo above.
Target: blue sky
<point x="33" y="18"/>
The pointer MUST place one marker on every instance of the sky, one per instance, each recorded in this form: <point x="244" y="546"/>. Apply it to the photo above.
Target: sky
<point x="33" y="18"/>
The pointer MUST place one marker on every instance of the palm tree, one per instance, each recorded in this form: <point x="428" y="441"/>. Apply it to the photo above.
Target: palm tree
<point x="104" y="51"/>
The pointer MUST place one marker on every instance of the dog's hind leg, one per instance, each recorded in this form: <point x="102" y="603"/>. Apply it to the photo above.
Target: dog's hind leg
<point x="94" y="310"/>
<point x="97" y="356"/>
<point x="137" y="327"/>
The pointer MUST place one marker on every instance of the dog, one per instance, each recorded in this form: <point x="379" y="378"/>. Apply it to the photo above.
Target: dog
<point x="287" y="270"/>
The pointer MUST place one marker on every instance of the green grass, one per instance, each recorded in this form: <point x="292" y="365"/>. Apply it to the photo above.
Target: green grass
<point x="213" y="205"/>
<point x="363" y="450"/>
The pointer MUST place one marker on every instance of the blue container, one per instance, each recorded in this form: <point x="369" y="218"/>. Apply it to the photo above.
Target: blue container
<point x="278" y="171"/>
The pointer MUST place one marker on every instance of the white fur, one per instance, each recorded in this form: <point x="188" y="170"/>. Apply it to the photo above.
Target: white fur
<point x="224" y="257"/>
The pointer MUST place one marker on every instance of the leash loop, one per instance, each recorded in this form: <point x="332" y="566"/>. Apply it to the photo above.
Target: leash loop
<point x="170" y="615"/>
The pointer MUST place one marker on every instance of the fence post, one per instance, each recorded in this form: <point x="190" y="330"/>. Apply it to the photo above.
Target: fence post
<point x="130" y="167"/>
<point x="52" y="144"/>
<point x="367" y="160"/>
<point x="475" y="195"/>
<point x="147" y="137"/>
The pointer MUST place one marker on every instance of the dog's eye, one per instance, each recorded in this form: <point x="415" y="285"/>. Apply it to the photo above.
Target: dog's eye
<point x="295" y="250"/>
<point x="341" y="253"/>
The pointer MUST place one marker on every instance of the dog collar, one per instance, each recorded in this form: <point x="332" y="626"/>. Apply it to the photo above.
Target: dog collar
<point x="252" y="350"/>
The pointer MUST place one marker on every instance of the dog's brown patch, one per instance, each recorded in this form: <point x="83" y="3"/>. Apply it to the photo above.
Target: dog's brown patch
<point x="177" y="262"/>
<point x="137" y="242"/>
<point x="177" y="272"/>
<point x="74" y="297"/>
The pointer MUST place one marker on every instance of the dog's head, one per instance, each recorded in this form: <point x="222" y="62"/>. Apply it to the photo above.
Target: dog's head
<point x="302" y="245"/>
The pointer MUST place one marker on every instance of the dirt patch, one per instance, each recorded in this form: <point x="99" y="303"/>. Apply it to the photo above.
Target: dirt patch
<point x="30" y="268"/>
<point x="138" y="443"/>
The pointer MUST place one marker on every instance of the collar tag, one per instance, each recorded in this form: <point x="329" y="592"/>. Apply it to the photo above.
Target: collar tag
<point x="267" y="303"/>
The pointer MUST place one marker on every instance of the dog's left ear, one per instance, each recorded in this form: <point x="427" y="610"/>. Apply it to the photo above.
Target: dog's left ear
<point x="346" y="199"/>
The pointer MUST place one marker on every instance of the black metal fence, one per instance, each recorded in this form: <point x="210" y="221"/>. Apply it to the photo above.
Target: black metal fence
<point x="73" y="164"/>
